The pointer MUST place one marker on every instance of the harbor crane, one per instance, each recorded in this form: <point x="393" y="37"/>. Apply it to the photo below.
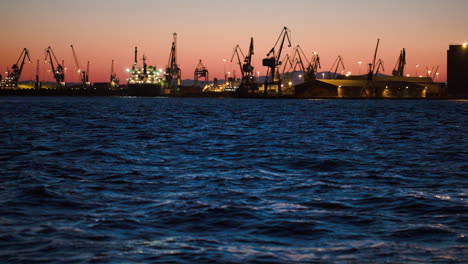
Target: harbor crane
<point x="84" y="75"/>
<point x="289" y="66"/>
<point x="336" y="65"/>
<point x="370" y="90"/>
<point x="380" y="65"/>
<point x="173" y="72"/>
<point x="273" y="61"/>
<point x="13" y="75"/>
<point x="312" y="68"/>
<point x="200" y="72"/>
<point x="400" y="65"/>
<point x="435" y="72"/>
<point x="247" y="66"/>
<point x="308" y="68"/>
<point x="298" y="59"/>
<point x="247" y="70"/>
<point x="432" y="73"/>
<point x="58" y="72"/>
<point x="114" y="81"/>
<point x="37" y="84"/>
<point x="239" y="54"/>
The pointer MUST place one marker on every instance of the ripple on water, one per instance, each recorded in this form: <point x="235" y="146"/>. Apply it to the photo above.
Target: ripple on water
<point x="205" y="180"/>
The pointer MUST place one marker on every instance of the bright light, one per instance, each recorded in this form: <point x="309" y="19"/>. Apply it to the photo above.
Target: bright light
<point x="465" y="45"/>
<point x="290" y="83"/>
<point x="127" y="70"/>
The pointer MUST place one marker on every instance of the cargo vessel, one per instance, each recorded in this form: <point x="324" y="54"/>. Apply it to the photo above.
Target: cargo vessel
<point x="146" y="80"/>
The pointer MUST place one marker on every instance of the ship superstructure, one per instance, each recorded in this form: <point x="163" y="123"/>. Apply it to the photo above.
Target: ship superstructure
<point x="146" y="80"/>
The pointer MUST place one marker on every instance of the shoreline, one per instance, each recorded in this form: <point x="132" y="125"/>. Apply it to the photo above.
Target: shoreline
<point x="123" y="93"/>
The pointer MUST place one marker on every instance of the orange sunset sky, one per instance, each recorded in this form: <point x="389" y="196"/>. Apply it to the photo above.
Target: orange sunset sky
<point x="107" y="30"/>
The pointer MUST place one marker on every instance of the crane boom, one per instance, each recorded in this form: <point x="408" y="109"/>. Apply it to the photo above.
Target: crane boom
<point x="434" y="73"/>
<point x="336" y="64"/>
<point x="77" y="64"/>
<point x="400" y="65"/>
<point x="239" y="54"/>
<point x="83" y="74"/>
<point x="25" y="54"/>
<point x="375" y="54"/>
<point x="379" y="65"/>
<point x="287" y="62"/>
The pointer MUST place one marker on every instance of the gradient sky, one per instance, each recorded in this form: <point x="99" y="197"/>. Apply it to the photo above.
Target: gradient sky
<point x="209" y="30"/>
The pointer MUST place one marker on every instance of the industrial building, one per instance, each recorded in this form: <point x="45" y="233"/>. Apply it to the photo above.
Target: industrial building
<point x="384" y="86"/>
<point x="457" y="70"/>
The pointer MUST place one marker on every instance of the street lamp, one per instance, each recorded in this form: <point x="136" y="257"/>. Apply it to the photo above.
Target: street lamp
<point x="417" y="66"/>
<point x="323" y="75"/>
<point x="258" y="76"/>
<point x="359" y="62"/>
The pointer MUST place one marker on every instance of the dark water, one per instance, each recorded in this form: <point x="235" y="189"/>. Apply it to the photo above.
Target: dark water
<point x="157" y="180"/>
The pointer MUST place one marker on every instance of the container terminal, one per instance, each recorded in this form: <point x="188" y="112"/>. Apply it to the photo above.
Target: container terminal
<point x="283" y="70"/>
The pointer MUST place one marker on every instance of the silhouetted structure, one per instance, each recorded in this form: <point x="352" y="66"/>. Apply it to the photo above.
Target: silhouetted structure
<point x="457" y="70"/>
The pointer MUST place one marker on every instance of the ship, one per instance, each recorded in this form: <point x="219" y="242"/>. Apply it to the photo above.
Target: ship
<point x="146" y="80"/>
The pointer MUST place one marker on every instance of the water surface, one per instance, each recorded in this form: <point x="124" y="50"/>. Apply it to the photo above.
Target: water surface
<point x="179" y="180"/>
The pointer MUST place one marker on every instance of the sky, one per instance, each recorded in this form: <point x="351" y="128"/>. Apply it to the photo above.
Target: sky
<point x="106" y="30"/>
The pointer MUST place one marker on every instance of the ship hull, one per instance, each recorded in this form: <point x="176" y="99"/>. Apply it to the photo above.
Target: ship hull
<point x="146" y="90"/>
